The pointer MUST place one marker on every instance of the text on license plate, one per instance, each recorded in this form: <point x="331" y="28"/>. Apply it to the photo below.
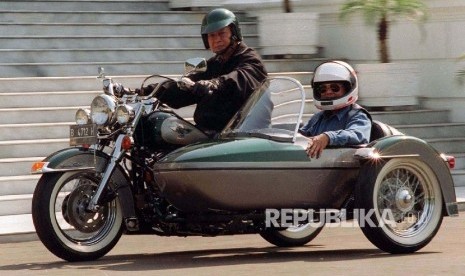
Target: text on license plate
<point x="82" y="134"/>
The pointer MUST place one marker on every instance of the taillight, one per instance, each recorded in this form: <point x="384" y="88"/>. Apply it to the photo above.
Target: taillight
<point x="450" y="160"/>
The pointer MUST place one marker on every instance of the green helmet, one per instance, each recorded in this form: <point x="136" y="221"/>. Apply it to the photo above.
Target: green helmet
<point x="217" y="19"/>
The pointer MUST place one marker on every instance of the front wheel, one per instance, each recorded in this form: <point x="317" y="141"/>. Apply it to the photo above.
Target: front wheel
<point x="293" y="236"/>
<point x="400" y="205"/>
<point x="64" y="225"/>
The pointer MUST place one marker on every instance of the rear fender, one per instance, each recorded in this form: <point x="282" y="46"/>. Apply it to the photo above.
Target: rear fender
<point x="74" y="159"/>
<point x="399" y="146"/>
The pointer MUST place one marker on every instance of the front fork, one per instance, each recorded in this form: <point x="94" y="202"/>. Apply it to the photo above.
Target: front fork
<point x="116" y="156"/>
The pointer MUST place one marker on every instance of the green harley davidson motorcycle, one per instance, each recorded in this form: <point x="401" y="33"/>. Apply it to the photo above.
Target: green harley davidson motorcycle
<point x="136" y="167"/>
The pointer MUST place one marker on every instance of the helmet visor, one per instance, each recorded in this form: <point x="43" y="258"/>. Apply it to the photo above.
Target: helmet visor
<point x="329" y="90"/>
<point x="215" y="26"/>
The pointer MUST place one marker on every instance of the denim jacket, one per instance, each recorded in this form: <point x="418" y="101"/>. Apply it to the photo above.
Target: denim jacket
<point x="351" y="125"/>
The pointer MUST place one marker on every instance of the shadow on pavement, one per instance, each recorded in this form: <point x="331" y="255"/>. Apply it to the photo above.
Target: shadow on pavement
<point x="209" y="258"/>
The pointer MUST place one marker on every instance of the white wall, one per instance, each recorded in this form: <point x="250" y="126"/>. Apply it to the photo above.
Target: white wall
<point x="435" y="45"/>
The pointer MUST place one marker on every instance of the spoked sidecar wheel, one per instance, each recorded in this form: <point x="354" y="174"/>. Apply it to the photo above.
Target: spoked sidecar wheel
<point x="292" y="236"/>
<point x="64" y="225"/>
<point x="400" y="204"/>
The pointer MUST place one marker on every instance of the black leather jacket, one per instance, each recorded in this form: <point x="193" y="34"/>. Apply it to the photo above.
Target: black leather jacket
<point x="237" y="78"/>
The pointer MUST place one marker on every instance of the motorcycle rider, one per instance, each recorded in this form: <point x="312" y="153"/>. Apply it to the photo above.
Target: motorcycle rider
<point x="341" y="121"/>
<point x="232" y="74"/>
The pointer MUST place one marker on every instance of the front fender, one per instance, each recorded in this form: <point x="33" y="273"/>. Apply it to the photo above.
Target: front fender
<point x="407" y="146"/>
<point x="72" y="159"/>
<point x="77" y="158"/>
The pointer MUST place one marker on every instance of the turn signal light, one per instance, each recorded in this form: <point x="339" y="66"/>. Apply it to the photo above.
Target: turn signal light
<point x="38" y="166"/>
<point x="126" y="143"/>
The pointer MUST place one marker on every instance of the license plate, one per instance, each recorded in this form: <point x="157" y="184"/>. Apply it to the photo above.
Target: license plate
<point x="82" y="134"/>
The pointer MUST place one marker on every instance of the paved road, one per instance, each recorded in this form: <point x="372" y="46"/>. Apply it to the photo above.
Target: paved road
<point x="336" y="251"/>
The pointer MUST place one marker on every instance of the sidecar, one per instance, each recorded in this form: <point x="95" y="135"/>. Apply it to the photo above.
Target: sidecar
<point x="397" y="187"/>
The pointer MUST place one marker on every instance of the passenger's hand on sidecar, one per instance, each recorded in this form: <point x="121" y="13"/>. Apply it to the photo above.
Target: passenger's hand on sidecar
<point x="316" y="145"/>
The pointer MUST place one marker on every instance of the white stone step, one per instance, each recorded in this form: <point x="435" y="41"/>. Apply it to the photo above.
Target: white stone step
<point x="34" y="131"/>
<point x="459" y="178"/>
<point x="71" y="83"/>
<point x="437" y="130"/>
<point x="459" y="160"/>
<point x="15" y="204"/>
<point x="27" y="148"/>
<point x="17" y="166"/>
<point x="92" y="55"/>
<point x="304" y="77"/>
<point x="47" y="99"/>
<point x="13" y="225"/>
<point x="103" y="29"/>
<point x="448" y="145"/>
<point x="85" y="5"/>
<point x="18" y="184"/>
<point x="409" y="117"/>
<point x="66" y="69"/>
<point x="105" y="42"/>
<point x="290" y="65"/>
<point x="102" y="16"/>
<point x="38" y="115"/>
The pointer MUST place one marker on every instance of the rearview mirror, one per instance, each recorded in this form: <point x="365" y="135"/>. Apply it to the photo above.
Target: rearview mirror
<point x="101" y="73"/>
<point x="195" y="65"/>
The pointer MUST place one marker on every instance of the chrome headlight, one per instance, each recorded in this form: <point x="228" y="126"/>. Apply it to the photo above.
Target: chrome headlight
<point x="102" y="109"/>
<point x="124" y="114"/>
<point x="82" y="116"/>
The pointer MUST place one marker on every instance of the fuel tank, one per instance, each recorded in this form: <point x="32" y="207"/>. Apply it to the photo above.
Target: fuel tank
<point x="166" y="130"/>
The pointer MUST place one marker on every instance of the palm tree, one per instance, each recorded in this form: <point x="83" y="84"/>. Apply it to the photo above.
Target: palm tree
<point x="381" y="12"/>
<point x="287" y="6"/>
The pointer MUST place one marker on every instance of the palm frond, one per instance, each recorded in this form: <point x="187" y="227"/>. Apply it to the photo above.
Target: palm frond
<point x="373" y="10"/>
<point x="412" y="9"/>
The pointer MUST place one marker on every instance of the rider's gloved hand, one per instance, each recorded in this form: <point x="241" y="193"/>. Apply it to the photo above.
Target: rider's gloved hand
<point x="186" y="84"/>
<point x="146" y="90"/>
<point x="143" y="91"/>
<point x="120" y="90"/>
<point x="204" y="87"/>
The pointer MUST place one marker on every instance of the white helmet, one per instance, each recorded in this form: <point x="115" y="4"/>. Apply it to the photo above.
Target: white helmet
<point x="335" y="71"/>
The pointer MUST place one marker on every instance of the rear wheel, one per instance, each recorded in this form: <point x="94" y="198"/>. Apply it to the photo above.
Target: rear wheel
<point x="400" y="204"/>
<point x="292" y="236"/>
<point x="64" y="225"/>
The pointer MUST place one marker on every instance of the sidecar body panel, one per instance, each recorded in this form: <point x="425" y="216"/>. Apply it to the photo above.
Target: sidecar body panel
<point x="255" y="173"/>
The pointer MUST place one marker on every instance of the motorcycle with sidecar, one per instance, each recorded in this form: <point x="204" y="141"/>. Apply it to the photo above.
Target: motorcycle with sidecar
<point x="136" y="167"/>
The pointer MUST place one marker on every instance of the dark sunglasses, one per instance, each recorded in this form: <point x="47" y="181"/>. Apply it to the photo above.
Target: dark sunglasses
<point x="335" y="87"/>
